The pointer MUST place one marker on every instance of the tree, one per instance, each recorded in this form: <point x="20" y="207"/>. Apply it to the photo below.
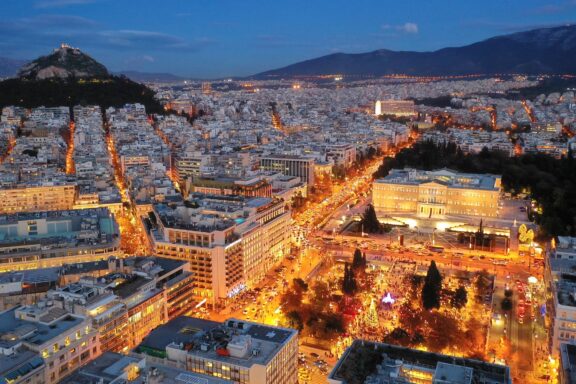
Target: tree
<point x="432" y="287"/>
<point x="349" y="283"/>
<point x="339" y="172"/>
<point x="292" y="299"/>
<point x="460" y="298"/>
<point x="320" y="296"/>
<point x="295" y="320"/>
<point x="300" y="284"/>
<point x="369" y="222"/>
<point x="357" y="261"/>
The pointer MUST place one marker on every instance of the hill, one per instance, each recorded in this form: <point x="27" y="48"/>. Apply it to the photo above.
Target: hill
<point x="70" y="77"/>
<point x="64" y="62"/>
<point x="539" y="51"/>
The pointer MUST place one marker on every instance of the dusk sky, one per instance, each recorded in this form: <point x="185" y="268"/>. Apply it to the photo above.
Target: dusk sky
<point x="218" y="38"/>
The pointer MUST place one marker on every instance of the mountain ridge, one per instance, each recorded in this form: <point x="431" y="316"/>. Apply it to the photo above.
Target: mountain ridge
<point x="538" y="51"/>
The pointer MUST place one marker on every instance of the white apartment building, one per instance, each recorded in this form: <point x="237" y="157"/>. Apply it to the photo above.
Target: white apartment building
<point x="230" y="241"/>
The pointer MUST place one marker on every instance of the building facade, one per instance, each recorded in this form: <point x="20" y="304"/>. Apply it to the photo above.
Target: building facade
<point x="51" y="239"/>
<point x="437" y="193"/>
<point x="229" y="241"/>
<point x="236" y="351"/>
<point x="302" y="167"/>
<point x="411" y="366"/>
<point x="33" y="198"/>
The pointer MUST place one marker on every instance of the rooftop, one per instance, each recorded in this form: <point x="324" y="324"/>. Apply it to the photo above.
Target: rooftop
<point x="110" y="366"/>
<point x="234" y="341"/>
<point x="58" y="229"/>
<point x="442" y="176"/>
<point x="18" y="364"/>
<point x="42" y="332"/>
<point x="179" y="330"/>
<point x="391" y="360"/>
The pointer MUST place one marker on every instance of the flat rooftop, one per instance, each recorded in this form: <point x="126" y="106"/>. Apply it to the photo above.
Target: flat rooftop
<point x="202" y="337"/>
<point x="19" y="364"/>
<point x="566" y="288"/>
<point x="43" y="332"/>
<point x="189" y="219"/>
<point x="78" y="228"/>
<point x="481" y="371"/>
<point x="179" y="330"/>
<point x="446" y="177"/>
<point x="109" y="366"/>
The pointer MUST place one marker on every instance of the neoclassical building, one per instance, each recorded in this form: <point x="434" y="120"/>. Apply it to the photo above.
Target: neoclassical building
<point x="437" y="193"/>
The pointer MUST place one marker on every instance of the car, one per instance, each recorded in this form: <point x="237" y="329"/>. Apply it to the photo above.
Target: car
<point x="245" y="312"/>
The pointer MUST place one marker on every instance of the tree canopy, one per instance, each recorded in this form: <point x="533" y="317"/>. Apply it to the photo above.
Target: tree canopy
<point x="550" y="181"/>
<point x="432" y="287"/>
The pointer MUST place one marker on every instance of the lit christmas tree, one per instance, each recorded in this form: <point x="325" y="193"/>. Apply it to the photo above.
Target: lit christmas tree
<point x="371" y="320"/>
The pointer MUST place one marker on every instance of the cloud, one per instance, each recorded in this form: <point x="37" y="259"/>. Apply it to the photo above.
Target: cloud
<point x="30" y="36"/>
<point x="60" y="3"/>
<point x="410" y="28"/>
<point x="54" y="22"/>
<point x="128" y="38"/>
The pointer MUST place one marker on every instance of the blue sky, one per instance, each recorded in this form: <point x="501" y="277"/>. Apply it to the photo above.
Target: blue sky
<point x="218" y="38"/>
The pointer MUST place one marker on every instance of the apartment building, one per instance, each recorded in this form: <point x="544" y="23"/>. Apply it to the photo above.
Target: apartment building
<point x="341" y="154"/>
<point x="406" y="365"/>
<point x="560" y="280"/>
<point x="437" y="193"/>
<point x="21" y="366"/>
<point x="42" y="196"/>
<point x="229" y="241"/>
<point x="301" y="167"/>
<point x="62" y="340"/>
<point x="235" y="351"/>
<point x="222" y="185"/>
<point x="53" y="238"/>
<point x="400" y="108"/>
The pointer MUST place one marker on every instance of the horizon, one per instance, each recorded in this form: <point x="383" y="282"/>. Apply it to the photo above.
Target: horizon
<point x="208" y="40"/>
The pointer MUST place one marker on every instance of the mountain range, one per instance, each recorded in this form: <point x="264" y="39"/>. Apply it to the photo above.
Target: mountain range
<point x="538" y="51"/>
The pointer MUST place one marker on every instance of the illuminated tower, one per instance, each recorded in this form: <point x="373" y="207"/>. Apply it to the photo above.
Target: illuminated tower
<point x="206" y="88"/>
<point x="378" y="108"/>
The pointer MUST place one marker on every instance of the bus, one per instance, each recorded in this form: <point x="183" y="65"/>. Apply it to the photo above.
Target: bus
<point x="436" y="248"/>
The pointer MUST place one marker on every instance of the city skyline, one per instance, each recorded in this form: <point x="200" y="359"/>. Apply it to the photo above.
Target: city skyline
<point x="224" y="38"/>
<point x="373" y="217"/>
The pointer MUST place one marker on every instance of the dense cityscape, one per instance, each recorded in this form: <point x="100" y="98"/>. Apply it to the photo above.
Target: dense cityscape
<point x="318" y="228"/>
